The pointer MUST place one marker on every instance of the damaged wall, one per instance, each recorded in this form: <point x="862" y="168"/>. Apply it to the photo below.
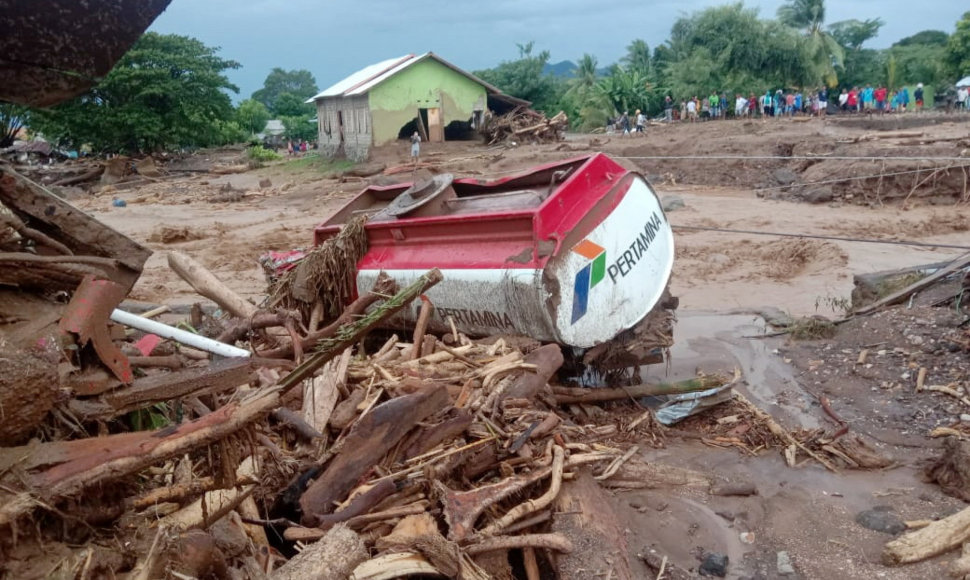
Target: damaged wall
<point x="424" y="85"/>
<point x="344" y="127"/>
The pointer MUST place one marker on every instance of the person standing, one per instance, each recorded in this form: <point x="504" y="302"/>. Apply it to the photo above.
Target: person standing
<point x="919" y="97"/>
<point x="844" y="101"/>
<point x="692" y="109"/>
<point x="823" y="101"/>
<point x="668" y="109"/>
<point x="415" y="148"/>
<point x="767" y="105"/>
<point x="641" y="121"/>
<point x="880" y="95"/>
<point x="625" y="123"/>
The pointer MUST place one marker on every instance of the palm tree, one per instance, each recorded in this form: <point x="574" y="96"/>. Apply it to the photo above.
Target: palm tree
<point x="585" y="76"/>
<point x="824" y="51"/>
<point x="585" y="91"/>
<point x="638" y="57"/>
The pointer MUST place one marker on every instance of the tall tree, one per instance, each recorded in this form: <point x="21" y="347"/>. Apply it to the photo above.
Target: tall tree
<point x="958" y="49"/>
<point x="728" y="48"/>
<point x="852" y="34"/>
<point x="587" y="96"/>
<point x="637" y="57"/>
<point x="824" y="51"/>
<point x="166" y="91"/>
<point x="252" y="116"/>
<point x="298" y="83"/>
<point x="585" y="76"/>
<point x="932" y="37"/>
<point x="523" y="78"/>
<point x="290" y="105"/>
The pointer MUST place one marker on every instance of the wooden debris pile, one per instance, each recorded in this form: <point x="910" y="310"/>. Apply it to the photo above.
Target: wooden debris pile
<point x="524" y="125"/>
<point x="427" y="456"/>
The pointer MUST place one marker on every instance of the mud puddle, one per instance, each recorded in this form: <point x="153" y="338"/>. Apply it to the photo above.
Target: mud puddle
<point x="711" y="343"/>
<point x="806" y="512"/>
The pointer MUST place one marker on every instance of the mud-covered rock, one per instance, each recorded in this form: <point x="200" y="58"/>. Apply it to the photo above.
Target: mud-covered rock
<point x="714" y="564"/>
<point x="881" y="519"/>
<point x="672" y="202"/>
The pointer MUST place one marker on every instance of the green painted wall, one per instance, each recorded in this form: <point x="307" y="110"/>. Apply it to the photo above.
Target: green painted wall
<point x="424" y="85"/>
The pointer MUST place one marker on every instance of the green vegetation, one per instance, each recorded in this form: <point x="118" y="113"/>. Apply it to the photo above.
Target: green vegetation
<point x="252" y="116"/>
<point x="166" y="92"/>
<point x="733" y="49"/>
<point x="958" y="48"/>
<point x="316" y="164"/>
<point x="284" y="94"/>
<point x="259" y="155"/>
<point x="12" y="119"/>
<point x="170" y="91"/>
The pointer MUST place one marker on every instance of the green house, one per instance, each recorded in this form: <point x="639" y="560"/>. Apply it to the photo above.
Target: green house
<point x="390" y="100"/>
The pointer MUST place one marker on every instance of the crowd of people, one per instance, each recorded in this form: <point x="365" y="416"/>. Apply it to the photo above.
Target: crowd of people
<point x="300" y="147"/>
<point x="817" y="102"/>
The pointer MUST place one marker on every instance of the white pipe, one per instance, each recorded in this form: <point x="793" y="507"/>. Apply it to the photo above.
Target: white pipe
<point x="178" y="335"/>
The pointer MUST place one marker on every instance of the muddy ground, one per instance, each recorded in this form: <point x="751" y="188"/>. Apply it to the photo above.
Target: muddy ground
<point x="724" y="281"/>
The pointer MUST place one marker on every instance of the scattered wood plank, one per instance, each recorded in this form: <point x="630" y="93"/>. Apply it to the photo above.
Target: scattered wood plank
<point x="371" y="437"/>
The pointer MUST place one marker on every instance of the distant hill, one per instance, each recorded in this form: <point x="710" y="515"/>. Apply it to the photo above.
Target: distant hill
<point x="566" y="69"/>
<point x="562" y="69"/>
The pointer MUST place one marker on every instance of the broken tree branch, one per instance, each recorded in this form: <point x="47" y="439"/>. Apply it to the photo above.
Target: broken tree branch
<point x="553" y="541"/>
<point x="206" y="284"/>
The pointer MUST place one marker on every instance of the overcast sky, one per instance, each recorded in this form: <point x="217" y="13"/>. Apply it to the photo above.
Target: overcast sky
<point x="333" y="38"/>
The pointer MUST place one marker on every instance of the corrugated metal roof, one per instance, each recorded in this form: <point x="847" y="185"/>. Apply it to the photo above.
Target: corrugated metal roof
<point x="363" y="75"/>
<point x="367" y="78"/>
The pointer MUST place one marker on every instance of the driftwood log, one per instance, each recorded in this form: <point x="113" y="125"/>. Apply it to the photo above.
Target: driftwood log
<point x="206" y="284"/>
<point x="334" y="556"/>
<point x="937" y="538"/>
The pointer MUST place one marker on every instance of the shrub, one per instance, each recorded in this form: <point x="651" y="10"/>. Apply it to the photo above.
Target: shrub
<point x="259" y="155"/>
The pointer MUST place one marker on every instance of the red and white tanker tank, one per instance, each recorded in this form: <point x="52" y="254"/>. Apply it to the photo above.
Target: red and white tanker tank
<point x="574" y="252"/>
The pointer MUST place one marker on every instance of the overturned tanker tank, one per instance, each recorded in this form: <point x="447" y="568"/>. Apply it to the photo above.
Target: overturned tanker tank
<point x="577" y="252"/>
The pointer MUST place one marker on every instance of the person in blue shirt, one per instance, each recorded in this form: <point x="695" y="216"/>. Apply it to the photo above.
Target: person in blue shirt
<point x="798" y="102"/>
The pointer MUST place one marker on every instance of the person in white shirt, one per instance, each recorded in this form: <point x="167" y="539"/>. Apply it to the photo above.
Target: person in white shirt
<point x="740" y="107"/>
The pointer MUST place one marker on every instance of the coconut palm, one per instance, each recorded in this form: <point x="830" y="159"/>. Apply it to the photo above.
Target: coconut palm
<point x="586" y="94"/>
<point x="821" y="47"/>
<point x="638" y="57"/>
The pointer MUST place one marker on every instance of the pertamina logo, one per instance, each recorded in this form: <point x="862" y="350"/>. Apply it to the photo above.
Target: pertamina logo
<point x="590" y="276"/>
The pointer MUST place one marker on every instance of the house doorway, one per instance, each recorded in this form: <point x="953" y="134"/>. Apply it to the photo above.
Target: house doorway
<point x="431" y="118"/>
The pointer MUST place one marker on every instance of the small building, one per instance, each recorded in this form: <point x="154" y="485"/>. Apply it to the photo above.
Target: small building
<point x="272" y="134"/>
<point x="391" y="99"/>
